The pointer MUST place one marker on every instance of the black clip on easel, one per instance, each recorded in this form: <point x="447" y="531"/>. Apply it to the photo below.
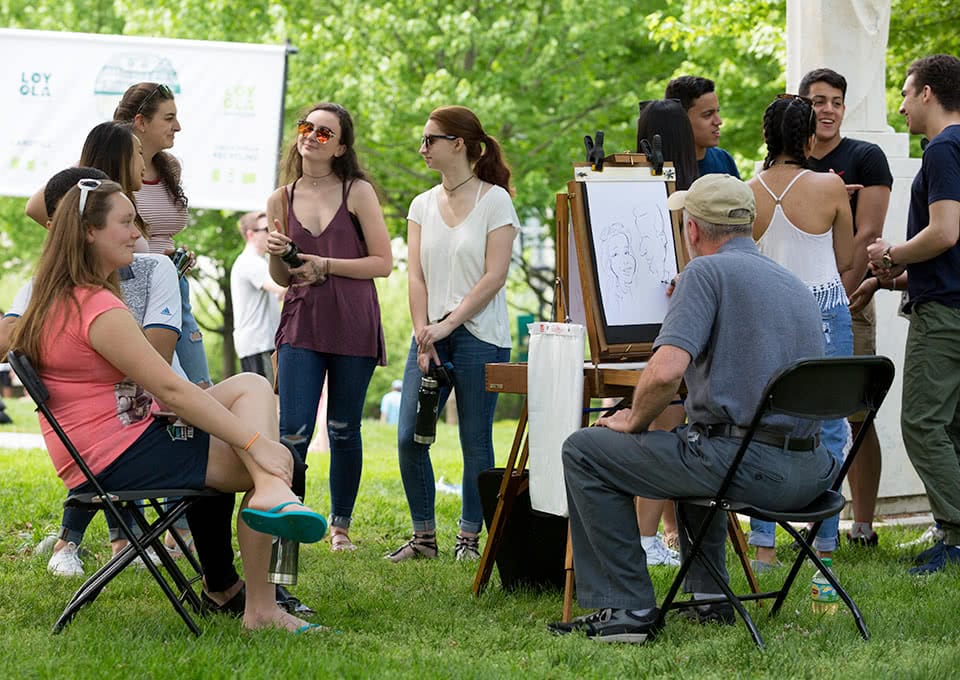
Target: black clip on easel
<point x="594" y="151"/>
<point x="654" y="154"/>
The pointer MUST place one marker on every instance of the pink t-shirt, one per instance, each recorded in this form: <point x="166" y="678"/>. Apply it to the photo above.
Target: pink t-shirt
<point x="101" y="410"/>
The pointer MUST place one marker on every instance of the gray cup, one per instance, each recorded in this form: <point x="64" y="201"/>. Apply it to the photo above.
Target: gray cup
<point x="284" y="557"/>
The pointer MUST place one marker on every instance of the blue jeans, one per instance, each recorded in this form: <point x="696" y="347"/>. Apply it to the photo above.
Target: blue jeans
<point x="475" y="407"/>
<point x="837" y="342"/>
<point x="300" y="375"/>
<point x="190" y="351"/>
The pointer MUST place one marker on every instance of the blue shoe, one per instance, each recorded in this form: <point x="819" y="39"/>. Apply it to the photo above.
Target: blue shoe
<point x="295" y="525"/>
<point x="939" y="557"/>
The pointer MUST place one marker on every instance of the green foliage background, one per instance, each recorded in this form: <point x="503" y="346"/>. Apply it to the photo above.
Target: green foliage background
<point x="540" y="74"/>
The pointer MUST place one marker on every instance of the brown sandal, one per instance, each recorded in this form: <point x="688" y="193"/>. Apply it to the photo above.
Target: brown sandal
<point x="340" y="542"/>
<point x="420" y="546"/>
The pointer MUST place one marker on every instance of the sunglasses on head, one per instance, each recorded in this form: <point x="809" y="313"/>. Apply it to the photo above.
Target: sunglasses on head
<point x="164" y="91"/>
<point x="427" y="140"/>
<point x="321" y="132"/>
<point x="86" y="186"/>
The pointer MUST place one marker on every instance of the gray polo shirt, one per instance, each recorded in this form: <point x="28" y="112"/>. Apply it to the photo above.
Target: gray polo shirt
<point x="741" y="317"/>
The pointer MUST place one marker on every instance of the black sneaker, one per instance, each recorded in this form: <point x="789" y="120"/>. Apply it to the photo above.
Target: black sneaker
<point x="233" y="607"/>
<point x="613" y="625"/>
<point x="864" y="541"/>
<point x="577" y="623"/>
<point x="721" y="613"/>
<point x="291" y="604"/>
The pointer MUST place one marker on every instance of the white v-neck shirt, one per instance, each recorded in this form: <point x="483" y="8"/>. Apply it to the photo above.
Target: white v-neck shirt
<point x="453" y="259"/>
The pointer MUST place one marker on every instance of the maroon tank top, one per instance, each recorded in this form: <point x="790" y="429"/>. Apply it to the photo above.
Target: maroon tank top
<point x="342" y="315"/>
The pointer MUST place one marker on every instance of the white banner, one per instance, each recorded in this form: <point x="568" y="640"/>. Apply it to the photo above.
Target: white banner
<point x="56" y="86"/>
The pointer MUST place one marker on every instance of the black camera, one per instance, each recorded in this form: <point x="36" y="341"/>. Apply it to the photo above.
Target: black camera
<point x="428" y="401"/>
<point x="290" y="255"/>
<point x="181" y="261"/>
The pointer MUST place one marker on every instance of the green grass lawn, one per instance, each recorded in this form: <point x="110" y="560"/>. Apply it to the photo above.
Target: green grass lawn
<point x="420" y="619"/>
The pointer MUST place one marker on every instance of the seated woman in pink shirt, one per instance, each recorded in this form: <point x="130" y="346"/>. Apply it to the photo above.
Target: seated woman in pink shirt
<point x="100" y="372"/>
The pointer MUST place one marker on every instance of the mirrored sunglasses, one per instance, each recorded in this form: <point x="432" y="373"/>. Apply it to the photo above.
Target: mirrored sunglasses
<point x="321" y="132"/>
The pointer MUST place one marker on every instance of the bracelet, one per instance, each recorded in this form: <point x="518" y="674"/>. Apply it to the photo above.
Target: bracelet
<point x="252" y="439"/>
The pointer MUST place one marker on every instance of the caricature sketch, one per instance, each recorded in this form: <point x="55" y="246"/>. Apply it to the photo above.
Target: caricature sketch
<point x="635" y="250"/>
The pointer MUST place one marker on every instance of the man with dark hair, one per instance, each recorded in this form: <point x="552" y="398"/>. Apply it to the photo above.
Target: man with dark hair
<point x="864" y="168"/>
<point x="735" y="319"/>
<point x="256" y="309"/>
<point x="928" y="263"/>
<point x="699" y="100"/>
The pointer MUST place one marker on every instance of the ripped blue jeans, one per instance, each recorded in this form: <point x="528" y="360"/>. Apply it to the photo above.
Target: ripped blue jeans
<point x="300" y="376"/>
<point x="837" y="342"/>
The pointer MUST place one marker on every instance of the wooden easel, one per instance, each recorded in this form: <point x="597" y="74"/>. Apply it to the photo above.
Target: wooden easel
<point x="599" y="381"/>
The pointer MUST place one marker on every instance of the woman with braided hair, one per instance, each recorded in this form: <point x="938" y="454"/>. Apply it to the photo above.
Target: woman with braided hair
<point x="804" y="223"/>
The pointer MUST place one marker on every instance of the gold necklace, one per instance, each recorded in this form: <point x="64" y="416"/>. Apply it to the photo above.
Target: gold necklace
<point x="450" y="191"/>
<point x="315" y="179"/>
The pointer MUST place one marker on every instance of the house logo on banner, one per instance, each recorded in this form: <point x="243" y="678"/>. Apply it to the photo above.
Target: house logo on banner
<point x="123" y="70"/>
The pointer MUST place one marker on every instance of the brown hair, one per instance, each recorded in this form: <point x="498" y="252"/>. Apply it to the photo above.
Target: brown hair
<point x="248" y="221"/>
<point x="66" y="263"/>
<point x="109" y="147"/>
<point x="144" y="99"/>
<point x="345" y="166"/>
<point x="489" y="163"/>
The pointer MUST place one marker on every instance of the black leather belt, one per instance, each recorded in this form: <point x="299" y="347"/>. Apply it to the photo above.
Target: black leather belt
<point x="763" y="437"/>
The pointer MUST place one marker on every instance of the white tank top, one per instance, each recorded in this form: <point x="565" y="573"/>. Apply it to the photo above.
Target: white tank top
<point x="809" y="256"/>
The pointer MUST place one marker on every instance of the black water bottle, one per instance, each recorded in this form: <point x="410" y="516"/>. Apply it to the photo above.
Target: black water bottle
<point x="428" y="398"/>
<point x="290" y="255"/>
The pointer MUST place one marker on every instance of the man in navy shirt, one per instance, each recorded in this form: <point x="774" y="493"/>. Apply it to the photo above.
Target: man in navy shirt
<point x="929" y="264"/>
<point x="864" y="168"/>
<point x="699" y="100"/>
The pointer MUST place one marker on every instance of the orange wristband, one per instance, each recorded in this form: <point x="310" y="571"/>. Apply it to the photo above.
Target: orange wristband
<point x="250" y="443"/>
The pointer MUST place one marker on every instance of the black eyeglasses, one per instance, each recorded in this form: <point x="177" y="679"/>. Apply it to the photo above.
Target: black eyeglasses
<point x="165" y="91"/>
<point x="427" y="140"/>
<point x="260" y="231"/>
<point x="86" y="186"/>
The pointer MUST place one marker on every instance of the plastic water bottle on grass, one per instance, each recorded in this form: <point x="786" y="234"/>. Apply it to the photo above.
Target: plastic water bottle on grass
<point x="823" y="596"/>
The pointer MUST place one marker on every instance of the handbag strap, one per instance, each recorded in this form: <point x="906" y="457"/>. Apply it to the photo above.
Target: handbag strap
<point x="283" y="211"/>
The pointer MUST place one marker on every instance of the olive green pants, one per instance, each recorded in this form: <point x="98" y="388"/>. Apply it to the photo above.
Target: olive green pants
<point x="930" y="411"/>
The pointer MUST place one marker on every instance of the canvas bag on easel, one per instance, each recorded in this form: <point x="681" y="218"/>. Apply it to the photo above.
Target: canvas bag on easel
<point x="554" y="406"/>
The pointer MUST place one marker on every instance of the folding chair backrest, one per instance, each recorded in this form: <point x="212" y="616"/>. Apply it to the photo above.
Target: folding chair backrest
<point x="28" y="376"/>
<point x="829" y="388"/>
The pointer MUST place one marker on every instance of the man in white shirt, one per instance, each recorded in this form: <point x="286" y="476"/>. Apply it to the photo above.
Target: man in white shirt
<point x="256" y="312"/>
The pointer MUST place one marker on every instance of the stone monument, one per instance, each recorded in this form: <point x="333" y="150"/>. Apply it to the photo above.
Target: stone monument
<point x="850" y="37"/>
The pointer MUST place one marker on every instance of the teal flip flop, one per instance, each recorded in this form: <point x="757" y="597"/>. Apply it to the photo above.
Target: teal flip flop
<point x="303" y="527"/>
<point x="311" y="628"/>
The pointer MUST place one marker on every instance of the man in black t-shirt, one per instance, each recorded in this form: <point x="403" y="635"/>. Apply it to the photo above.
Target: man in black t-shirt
<point x="864" y="168"/>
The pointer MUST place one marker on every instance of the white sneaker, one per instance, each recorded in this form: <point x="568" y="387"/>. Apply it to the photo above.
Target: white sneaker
<point x="658" y="554"/>
<point x="46" y="545"/>
<point x="65" y="562"/>
<point x="933" y="534"/>
<point x="138" y="562"/>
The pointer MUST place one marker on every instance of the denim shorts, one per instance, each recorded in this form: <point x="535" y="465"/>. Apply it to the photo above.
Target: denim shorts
<point x="157" y="461"/>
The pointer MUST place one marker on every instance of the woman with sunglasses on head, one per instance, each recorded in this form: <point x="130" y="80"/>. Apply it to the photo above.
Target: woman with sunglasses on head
<point x="804" y="223"/>
<point x="151" y="110"/>
<point x="330" y="323"/>
<point x="460" y="236"/>
<point x="100" y="371"/>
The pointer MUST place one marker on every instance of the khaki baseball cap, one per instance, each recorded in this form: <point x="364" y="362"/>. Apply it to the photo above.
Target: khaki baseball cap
<point x="720" y="199"/>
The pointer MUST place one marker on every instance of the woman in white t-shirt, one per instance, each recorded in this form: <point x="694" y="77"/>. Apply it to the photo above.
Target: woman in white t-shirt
<point x="460" y="236"/>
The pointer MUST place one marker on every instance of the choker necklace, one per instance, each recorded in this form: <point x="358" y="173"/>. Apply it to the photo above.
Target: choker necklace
<point x="785" y="162"/>
<point x="450" y="191"/>
<point x="315" y="179"/>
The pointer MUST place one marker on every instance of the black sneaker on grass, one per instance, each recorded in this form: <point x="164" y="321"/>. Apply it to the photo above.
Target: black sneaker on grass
<point x="720" y="612"/>
<point x="612" y="625"/>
